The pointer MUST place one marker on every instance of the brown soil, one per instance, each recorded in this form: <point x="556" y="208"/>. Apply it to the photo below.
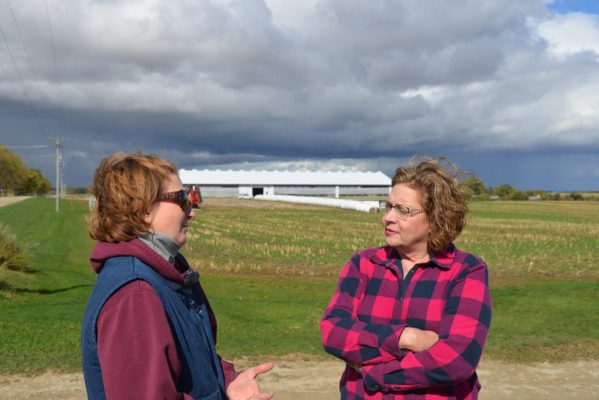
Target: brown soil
<point x="317" y="380"/>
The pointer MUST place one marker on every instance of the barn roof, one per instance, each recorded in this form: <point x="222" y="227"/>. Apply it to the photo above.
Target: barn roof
<point x="282" y="178"/>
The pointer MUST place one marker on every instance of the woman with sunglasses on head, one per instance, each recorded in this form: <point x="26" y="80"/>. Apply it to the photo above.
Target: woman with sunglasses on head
<point x="148" y="331"/>
<point x="410" y="319"/>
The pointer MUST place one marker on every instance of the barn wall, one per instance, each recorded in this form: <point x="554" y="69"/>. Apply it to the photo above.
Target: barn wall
<point x="235" y="191"/>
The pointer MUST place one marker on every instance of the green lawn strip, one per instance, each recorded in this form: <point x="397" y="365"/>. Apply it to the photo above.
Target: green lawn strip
<point x="533" y="321"/>
<point x="56" y="244"/>
<point x="41" y="332"/>
<point x="545" y="322"/>
<point x="41" y="311"/>
<point x="270" y="317"/>
<point x="267" y="316"/>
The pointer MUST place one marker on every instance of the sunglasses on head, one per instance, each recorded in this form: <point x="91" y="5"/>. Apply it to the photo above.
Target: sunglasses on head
<point x="179" y="197"/>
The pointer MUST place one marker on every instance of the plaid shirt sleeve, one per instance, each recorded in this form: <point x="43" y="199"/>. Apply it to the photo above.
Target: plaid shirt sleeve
<point x="462" y="334"/>
<point x="345" y="337"/>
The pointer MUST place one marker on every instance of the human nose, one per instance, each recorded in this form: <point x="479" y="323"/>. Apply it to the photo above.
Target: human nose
<point x="191" y="215"/>
<point x="389" y="215"/>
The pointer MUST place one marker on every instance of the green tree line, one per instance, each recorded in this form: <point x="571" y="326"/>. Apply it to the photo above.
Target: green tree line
<point x="17" y="179"/>
<point x="475" y="188"/>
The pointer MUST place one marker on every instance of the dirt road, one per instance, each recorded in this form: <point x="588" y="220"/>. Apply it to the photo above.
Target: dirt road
<point x="11" y="199"/>
<point x="309" y="380"/>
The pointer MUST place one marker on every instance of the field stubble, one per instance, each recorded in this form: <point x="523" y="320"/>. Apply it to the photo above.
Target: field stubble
<point x="517" y="240"/>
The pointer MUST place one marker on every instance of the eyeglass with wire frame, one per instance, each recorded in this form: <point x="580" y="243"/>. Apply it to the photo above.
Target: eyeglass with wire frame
<point x="402" y="212"/>
<point x="179" y="197"/>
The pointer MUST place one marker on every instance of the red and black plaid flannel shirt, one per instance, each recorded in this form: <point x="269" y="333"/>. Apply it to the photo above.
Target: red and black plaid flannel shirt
<point x="374" y="302"/>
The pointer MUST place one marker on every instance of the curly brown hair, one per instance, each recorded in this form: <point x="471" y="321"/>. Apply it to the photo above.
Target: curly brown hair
<point x="437" y="181"/>
<point x="126" y="185"/>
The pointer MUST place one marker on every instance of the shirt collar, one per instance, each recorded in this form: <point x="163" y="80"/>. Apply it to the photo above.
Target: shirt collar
<point x="444" y="258"/>
<point x="388" y="256"/>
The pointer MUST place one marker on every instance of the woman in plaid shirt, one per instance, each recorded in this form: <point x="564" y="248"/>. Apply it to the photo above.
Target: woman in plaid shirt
<point x="410" y="319"/>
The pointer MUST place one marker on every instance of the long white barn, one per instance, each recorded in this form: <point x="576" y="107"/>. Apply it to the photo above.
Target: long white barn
<point x="247" y="184"/>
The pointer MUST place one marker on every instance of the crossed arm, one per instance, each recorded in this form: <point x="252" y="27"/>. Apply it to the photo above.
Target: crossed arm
<point x="398" y="357"/>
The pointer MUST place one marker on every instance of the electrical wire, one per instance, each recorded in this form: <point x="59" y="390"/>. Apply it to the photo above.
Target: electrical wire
<point x="52" y="40"/>
<point x="37" y="146"/>
<point x="25" y="95"/>
<point x="14" y="63"/>
<point x="14" y="18"/>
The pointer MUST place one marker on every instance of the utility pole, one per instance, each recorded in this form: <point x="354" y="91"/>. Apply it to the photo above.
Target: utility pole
<point x="63" y="188"/>
<point x="58" y="170"/>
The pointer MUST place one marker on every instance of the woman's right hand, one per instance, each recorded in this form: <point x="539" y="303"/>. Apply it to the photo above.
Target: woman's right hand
<point x="416" y="340"/>
<point x="245" y="386"/>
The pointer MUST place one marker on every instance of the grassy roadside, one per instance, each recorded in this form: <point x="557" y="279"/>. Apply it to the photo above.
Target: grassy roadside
<point x="267" y="312"/>
<point x="531" y="322"/>
<point x="41" y="312"/>
<point x="545" y="322"/>
<point x="56" y="244"/>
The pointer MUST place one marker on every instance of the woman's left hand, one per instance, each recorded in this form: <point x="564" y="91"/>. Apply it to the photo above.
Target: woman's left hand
<point x="245" y="386"/>
<point x="417" y="340"/>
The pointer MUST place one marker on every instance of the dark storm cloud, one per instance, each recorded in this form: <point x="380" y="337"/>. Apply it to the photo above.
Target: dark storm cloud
<point x="322" y="84"/>
<point x="400" y="45"/>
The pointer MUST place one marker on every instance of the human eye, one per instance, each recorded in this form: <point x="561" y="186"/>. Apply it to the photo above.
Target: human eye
<point x="403" y="210"/>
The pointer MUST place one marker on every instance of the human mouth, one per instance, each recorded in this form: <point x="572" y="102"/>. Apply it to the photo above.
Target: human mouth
<point x="389" y="232"/>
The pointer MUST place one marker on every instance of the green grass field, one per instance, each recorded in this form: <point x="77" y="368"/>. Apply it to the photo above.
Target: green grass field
<point x="269" y="270"/>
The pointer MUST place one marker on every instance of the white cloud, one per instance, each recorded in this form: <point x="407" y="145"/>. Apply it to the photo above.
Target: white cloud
<point x="432" y="94"/>
<point x="571" y="33"/>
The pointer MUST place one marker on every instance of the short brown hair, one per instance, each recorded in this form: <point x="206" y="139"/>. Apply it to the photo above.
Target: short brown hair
<point x="126" y="185"/>
<point x="442" y="197"/>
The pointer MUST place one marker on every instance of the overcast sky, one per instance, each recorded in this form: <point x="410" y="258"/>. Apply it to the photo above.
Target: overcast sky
<point x="508" y="89"/>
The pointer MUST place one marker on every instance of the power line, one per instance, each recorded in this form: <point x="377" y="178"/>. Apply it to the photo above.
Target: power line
<point x="26" y="97"/>
<point x="14" y="63"/>
<point x="14" y="18"/>
<point x="7" y="77"/>
<point x="36" y="146"/>
<point x="52" y="40"/>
